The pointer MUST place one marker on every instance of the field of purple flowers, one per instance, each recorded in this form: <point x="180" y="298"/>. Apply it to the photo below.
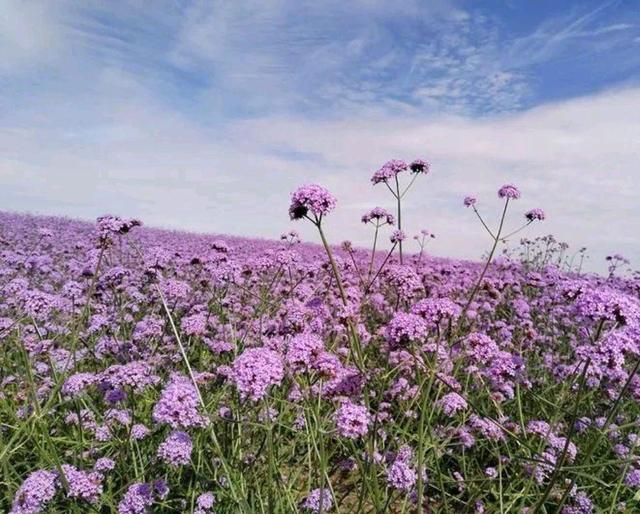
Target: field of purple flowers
<point x="144" y="370"/>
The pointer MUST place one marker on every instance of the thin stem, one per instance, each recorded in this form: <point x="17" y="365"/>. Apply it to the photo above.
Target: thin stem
<point x="592" y="448"/>
<point x="504" y="238"/>
<point x="563" y="455"/>
<point x="332" y="262"/>
<point x="399" y="199"/>
<point x="413" y="179"/>
<point x="380" y="268"/>
<point x="476" y="288"/>
<point x="483" y="223"/>
<point x="373" y="251"/>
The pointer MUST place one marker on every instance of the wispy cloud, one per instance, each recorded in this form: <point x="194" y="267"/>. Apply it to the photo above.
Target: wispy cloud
<point x="206" y="115"/>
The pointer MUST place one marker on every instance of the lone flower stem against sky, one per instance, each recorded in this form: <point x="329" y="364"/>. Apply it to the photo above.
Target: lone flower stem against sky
<point x="390" y="170"/>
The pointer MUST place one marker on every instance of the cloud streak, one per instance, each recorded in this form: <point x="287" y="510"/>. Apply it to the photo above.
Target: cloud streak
<point x="206" y="116"/>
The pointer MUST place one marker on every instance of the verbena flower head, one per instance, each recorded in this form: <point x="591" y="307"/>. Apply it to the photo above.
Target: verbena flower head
<point x="535" y="214"/>
<point x="35" y="493"/>
<point x="397" y="236"/>
<point x="112" y="226"/>
<point x="317" y="498"/>
<point x="401" y="474"/>
<point x="104" y="464"/>
<point x="83" y="485"/>
<point x="405" y="328"/>
<point x="389" y="170"/>
<point x="352" y="420"/>
<point x="379" y="215"/>
<point x="255" y="370"/>
<point x="311" y="198"/>
<point x="509" y="191"/>
<point x="205" y="503"/>
<point x="136" y="500"/>
<point x="469" y="201"/>
<point x="178" y="404"/>
<point x="420" y="166"/>
<point x="452" y="403"/>
<point x="176" y="449"/>
<point x="303" y="351"/>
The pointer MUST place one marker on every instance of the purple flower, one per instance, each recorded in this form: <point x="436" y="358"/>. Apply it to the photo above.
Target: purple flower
<point x="469" y="201"/>
<point x="160" y="488"/>
<point x="405" y="328"/>
<point x="352" y="420"/>
<point x="433" y="310"/>
<point x="452" y="403"/>
<point x="136" y="375"/>
<point x="176" y="449"/>
<point x="316" y="498"/>
<point x="139" y="431"/>
<point x="194" y="325"/>
<point x="632" y="479"/>
<point x="401" y="475"/>
<point x="255" y="370"/>
<point x="389" y="170"/>
<point x="397" y="236"/>
<point x="35" y="493"/>
<point x="104" y="464"/>
<point x="178" y="404"/>
<point x="535" y="214"/>
<point x="136" y="500"/>
<point x="311" y="198"/>
<point x="205" y="503"/>
<point x="420" y="166"/>
<point x="84" y="485"/>
<point x="109" y="226"/>
<point x="78" y="382"/>
<point x="509" y="191"/>
<point x="492" y="473"/>
<point x="303" y="351"/>
<point x="380" y="215"/>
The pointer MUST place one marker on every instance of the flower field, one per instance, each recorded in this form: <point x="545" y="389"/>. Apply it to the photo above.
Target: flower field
<point x="144" y="370"/>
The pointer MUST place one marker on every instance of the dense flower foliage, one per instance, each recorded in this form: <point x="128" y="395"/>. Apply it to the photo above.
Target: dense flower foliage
<point x="156" y="371"/>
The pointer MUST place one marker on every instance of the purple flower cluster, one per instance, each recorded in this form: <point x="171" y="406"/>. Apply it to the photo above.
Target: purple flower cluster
<point x="35" y="493"/>
<point x="311" y="198"/>
<point x="389" y="170"/>
<point x="179" y="404"/>
<point x="352" y="420"/>
<point x="406" y="328"/>
<point x="317" y="500"/>
<point x="535" y="214"/>
<point x="109" y="227"/>
<point x="401" y="474"/>
<point x="509" y="191"/>
<point x="83" y="485"/>
<point x="255" y="371"/>
<point x="176" y="449"/>
<point x="379" y="215"/>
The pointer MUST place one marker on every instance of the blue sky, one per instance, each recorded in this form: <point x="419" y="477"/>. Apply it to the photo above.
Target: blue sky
<point x="205" y="115"/>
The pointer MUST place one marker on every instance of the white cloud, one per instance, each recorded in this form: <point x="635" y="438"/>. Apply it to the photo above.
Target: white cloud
<point x="576" y="159"/>
<point x="207" y="117"/>
<point x="29" y="34"/>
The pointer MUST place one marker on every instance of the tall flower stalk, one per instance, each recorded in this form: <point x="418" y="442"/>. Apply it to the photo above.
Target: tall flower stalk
<point x="389" y="172"/>
<point x="507" y="192"/>
<point x="378" y="217"/>
<point x="422" y="241"/>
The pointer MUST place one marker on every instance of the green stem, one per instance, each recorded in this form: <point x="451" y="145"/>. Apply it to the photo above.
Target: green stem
<point x="399" y="199"/>
<point x="476" y="287"/>
<point x="373" y="251"/>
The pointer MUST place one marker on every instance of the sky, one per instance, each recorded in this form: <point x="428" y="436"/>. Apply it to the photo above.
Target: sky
<point x="205" y="116"/>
